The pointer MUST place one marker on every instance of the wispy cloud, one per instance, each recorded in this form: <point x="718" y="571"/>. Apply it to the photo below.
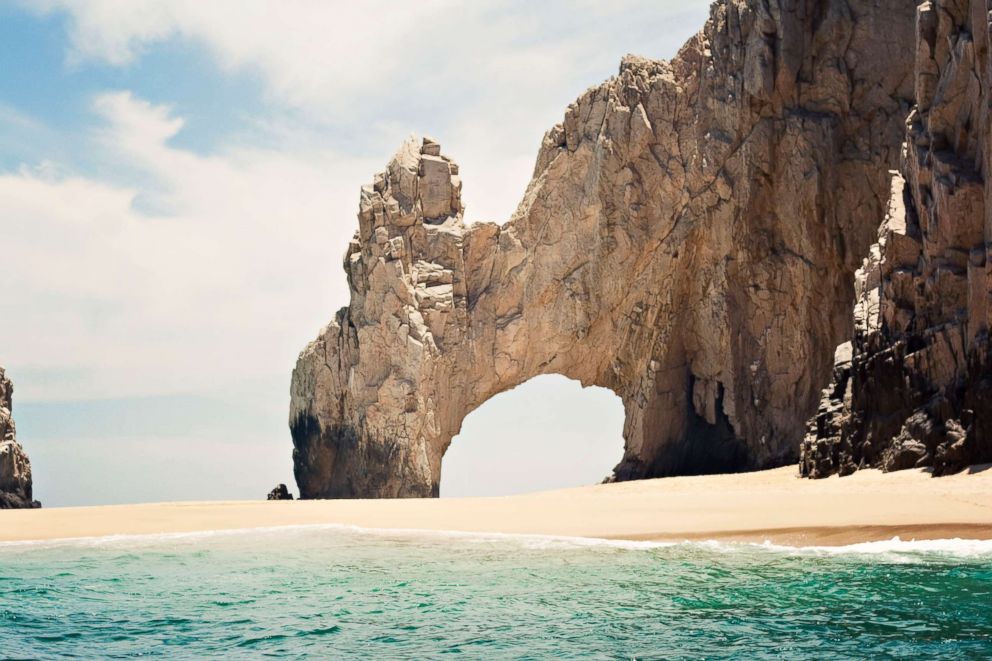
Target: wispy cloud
<point x="486" y="78"/>
<point x="320" y="53"/>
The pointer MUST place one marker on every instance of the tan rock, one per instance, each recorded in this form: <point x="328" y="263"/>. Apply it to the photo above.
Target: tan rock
<point x="688" y="241"/>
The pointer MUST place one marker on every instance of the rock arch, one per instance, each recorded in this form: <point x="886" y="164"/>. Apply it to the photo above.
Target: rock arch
<point x="688" y="241"/>
<point x="547" y="433"/>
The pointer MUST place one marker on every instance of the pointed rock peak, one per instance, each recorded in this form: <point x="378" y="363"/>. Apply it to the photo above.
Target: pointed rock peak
<point x="419" y="185"/>
<point x="430" y="147"/>
<point x="439" y="186"/>
<point x="407" y="156"/>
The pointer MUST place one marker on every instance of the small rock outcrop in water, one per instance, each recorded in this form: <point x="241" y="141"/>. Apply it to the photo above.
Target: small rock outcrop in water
<point x="280" y="493"/>
<point x="15" y="469"/>
<point x="918" y="389"/>
<point x="688" y="240"/>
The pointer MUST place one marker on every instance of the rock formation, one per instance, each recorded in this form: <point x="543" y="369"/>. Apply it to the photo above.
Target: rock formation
<point x="280" y="493"/>
<point x="688" y="240"/>
<point x="15" y="469"/>
<point x="917" y="390"/>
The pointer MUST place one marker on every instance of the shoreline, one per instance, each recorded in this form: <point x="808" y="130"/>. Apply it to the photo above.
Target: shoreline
<point x="773" y="505"/>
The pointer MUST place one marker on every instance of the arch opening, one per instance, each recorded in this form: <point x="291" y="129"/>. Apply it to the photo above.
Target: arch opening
<point x="547" y="433"/>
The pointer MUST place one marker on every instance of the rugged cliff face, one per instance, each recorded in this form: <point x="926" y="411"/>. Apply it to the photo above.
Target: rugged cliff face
<point x="15" y="469"/>
<point x="917" y="390"/>
<point x="688" y="240"/>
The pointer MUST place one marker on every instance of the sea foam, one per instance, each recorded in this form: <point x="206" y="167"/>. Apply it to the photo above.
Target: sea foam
<point x="894" y="548"/>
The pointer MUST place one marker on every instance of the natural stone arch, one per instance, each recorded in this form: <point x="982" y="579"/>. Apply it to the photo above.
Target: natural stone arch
<point x="688" y="241"/>
<point x="547" y="433"/>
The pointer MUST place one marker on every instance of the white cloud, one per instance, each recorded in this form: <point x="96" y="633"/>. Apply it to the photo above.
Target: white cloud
<point x="309" y="50"/>
<point x="485" y="78"/>
<point x="226" y="284"/>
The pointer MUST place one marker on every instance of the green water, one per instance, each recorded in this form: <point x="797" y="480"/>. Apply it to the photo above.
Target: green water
<point x="339" y="593"/>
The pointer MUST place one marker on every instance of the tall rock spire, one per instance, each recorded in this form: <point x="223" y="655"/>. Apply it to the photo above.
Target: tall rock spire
<point x="15" y="468"/>
<point x="915" y="387"/>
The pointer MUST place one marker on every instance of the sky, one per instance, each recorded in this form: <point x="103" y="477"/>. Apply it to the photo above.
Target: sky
<point x="179" y="180"/>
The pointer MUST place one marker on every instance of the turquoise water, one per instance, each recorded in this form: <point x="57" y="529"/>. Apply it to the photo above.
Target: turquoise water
<point x="341" y="593"/>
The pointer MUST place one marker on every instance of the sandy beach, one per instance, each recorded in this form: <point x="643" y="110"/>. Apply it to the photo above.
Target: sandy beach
<point x="772" y="505"/>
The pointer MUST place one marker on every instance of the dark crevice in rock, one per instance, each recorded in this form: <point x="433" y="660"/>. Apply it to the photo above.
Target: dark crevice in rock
<point x="704" y="448"/>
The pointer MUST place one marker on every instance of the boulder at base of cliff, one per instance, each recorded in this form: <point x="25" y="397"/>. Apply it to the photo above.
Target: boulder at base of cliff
<point x="280" y="493"/>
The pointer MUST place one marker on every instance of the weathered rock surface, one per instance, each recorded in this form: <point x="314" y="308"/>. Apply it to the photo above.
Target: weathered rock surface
<point x="918" y="390"/>
<point x="15" y="469"/>
<point x="688" y="240"/>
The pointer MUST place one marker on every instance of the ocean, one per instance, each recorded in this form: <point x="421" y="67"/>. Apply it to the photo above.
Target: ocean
<point x="334" y="592"/>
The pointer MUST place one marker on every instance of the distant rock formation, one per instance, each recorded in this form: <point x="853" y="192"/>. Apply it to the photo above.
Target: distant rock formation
<point x="917" y="390"/>
<point x="688" y="241"/>
<point x="280" y="493"/>
<point x="15" y="469"/>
